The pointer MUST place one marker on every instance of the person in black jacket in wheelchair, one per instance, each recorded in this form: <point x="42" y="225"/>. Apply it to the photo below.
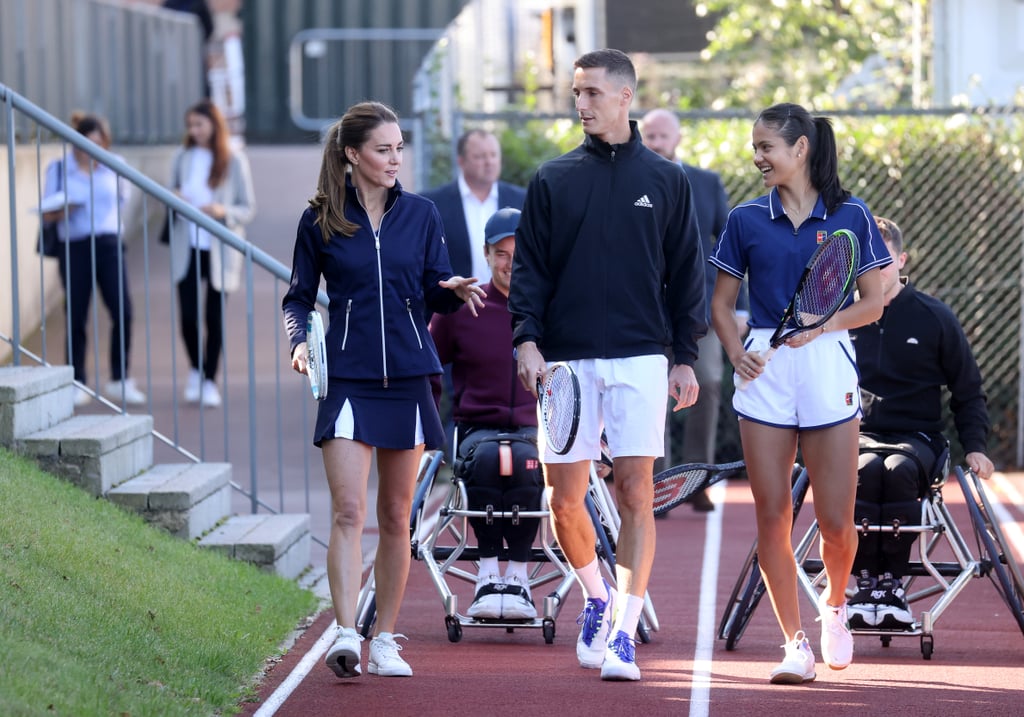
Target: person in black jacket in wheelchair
<point x="905" y="359"/>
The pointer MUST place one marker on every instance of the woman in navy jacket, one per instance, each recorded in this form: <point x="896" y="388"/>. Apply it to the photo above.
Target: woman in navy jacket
<point x="381" y="252"/>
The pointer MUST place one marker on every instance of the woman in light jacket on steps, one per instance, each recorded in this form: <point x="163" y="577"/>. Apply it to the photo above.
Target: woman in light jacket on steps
<point x="210" y="175"/>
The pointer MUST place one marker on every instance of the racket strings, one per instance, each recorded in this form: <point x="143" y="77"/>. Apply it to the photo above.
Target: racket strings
<point x="559" y="407"/>
<point x="827" y="283"/>
<point x="681" y="486"/>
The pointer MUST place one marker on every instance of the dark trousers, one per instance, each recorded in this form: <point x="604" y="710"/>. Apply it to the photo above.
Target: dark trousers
<point x="889" y="487"/>
<point x="77" y="278"/>
<point x="189" y="290"/>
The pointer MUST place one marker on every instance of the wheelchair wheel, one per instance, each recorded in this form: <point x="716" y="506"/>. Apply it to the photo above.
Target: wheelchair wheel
<point x="997" y="560"/>
<point x="549" y="630"/>
<point x="749" y="590"/>
<point x="366" y="607"/>
<point x="454" y="628"/>
<point x="606" y="556"/>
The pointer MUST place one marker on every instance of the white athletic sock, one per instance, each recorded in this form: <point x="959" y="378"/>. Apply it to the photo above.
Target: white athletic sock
<point x="488" y="567"/>
<point x="628" y="614"/>
<point x="589" y="578"/>
<point x="519" y="570"/>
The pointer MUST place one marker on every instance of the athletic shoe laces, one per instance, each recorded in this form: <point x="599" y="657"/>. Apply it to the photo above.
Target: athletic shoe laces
<point x="590" y="619"/>
<point x="623" y="646"/>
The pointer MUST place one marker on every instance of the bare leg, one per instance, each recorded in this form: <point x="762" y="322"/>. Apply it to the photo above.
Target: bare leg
<point x="347" y="464"/>
<point x="831" y="458"/>
<point x="567" y="488"/>
<point x="395" y="490"/>
<point x="769" y="453"/>
<point x="634" y="551"/>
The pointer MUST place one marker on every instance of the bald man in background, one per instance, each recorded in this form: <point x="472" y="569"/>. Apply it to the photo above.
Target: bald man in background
<point x="660" y="133"/>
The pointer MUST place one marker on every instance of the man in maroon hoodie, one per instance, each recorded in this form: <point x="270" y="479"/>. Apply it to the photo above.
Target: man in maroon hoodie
<point x="489" y="401"/>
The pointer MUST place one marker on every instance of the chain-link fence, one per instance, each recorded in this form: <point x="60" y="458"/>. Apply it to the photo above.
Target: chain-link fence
<point x="954" y="182"/>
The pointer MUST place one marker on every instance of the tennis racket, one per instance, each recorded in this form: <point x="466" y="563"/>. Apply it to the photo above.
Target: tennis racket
<point x="316" y="355"/>
<point x="675" y="485"/>
<point x="825" y="284"/>
<point x="558" y="392"/>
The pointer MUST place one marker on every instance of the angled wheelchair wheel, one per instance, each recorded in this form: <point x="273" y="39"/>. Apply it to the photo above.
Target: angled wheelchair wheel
<point x="997" y="559"/>
<point x="366" y="610"/>
<point x="746" y="595"/>
<point x="606" y="556"/>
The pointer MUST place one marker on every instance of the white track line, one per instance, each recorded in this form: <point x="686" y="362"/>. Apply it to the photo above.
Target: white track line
<point x="297" y="675"/>
<point x="700" y="689"/>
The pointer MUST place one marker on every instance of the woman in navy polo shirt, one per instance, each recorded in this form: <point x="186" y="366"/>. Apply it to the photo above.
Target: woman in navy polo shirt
<point x="807" y="395"/>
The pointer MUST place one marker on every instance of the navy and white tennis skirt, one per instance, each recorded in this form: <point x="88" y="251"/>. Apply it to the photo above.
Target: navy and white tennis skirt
<point x="401" y="416"/>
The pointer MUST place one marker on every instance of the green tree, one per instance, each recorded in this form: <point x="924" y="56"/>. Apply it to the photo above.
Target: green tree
<point x="824" y="53"/>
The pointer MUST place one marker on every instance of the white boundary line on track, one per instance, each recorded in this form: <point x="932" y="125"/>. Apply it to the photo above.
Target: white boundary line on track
<point x="700" y="687"/>
<point x="297" y="675"/>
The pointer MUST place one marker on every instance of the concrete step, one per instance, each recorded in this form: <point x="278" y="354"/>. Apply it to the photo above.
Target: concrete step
<point x="185" y="499"/>
<point x="33" y="398"/>
<point x="95" y="452"/>
<point x="277" y="543"/>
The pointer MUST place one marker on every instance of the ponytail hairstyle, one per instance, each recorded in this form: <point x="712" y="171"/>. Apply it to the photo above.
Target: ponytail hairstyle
<point x="352" y="130"/>
<point x="86" y="123"/>
<point x="792" y="122"/>
<point x="220" y="145"/>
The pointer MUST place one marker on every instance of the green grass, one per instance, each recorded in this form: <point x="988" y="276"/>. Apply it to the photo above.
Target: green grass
<point x="101" y="614"/>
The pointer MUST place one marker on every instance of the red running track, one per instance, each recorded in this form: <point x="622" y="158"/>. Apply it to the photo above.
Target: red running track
<point x="977" y="667"/>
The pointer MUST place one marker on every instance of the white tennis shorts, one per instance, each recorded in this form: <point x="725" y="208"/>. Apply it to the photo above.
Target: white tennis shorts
<point x="626" y="397"/>
<point x="813" y="386"/>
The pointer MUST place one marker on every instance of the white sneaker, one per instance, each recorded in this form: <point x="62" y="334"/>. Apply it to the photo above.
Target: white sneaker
<point x="620" y="659"/>
<point x="595" y="630"/>
<point x="487" y="598"/>
<point x="210" y="394"/>
<point x="516" y="603"/>
<point x="343" y="657"/>
<point x="797" y="666"/>
<point x="192" y="385"/>
<point x="384" y="658"/>
<point x="126" y="388"/>
<point x="836" y="639"/>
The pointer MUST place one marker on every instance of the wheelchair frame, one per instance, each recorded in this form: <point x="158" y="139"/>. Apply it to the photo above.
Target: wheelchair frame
<point x="441" y="541"/>
<point x="936" y="527"/>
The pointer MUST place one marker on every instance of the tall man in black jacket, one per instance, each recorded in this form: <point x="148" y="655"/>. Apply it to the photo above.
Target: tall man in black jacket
<point x="609" y="276"/>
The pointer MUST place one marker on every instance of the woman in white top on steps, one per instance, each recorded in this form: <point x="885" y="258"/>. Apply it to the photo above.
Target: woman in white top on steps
<point x="210" y="175"/>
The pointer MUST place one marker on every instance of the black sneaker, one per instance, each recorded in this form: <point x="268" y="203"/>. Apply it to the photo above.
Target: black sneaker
<point x="862" y="607"/>
<point x="891" y="609"/>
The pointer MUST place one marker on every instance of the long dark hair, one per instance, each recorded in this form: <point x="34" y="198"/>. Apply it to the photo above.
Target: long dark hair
<point x="220" y="142"/>
<point x="792" y="122"/>
<point x="352" y="130"/>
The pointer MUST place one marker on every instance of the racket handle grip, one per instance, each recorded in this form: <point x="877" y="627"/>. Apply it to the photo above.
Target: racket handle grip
<point x="742" y="383"/>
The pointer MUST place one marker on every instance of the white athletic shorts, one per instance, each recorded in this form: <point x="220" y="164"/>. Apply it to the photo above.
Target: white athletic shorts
<point x="626" y="397"/>
<point x="813" y="386"/>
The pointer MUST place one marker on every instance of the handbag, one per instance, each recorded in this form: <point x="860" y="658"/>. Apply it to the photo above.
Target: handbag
<point x="49" y="242"/>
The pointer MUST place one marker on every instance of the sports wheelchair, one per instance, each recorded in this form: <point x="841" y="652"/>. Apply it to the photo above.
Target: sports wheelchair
<point x="440" y="536"/>
<point x="938" y="538"/>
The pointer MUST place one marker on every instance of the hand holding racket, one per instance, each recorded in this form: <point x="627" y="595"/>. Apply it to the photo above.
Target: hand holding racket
<point x="825" y="284"/>
<point x="675" y="485"/>
<point x="558" y="391"/>
<point x="316" y="355"/>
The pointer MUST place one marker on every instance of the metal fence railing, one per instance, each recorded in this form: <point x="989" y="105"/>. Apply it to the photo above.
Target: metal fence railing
<point x="264" y="423"/>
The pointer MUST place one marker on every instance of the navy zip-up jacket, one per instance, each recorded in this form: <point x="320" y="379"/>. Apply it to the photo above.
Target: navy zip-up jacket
<point x="378" y="288"/>
<point x="905" y="358"/>
<point x="609" y="260"/>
